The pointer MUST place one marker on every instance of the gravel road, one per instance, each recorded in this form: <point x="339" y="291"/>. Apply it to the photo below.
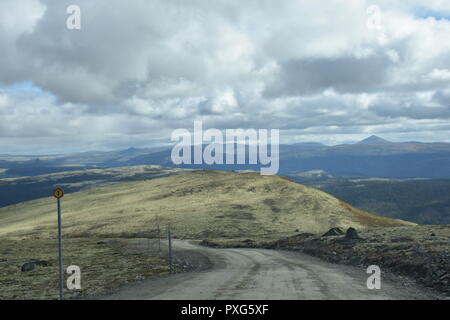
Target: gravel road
<point x="262" y="274"/>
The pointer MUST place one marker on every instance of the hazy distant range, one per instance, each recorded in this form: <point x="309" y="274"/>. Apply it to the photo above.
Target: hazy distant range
<point x="371" y="157"/>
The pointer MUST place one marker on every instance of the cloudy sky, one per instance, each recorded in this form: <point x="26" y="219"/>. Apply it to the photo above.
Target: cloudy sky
<point x="331" y="71"/>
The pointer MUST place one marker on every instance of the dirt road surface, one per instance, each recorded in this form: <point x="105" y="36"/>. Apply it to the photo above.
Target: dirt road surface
<point x="241" y="274"/>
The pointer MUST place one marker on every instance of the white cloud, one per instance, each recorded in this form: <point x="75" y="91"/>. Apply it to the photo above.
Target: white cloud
<point x="438" y="74"/>
<point x="142" y="68"/>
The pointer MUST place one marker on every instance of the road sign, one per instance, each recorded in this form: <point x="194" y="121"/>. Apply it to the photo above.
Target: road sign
<point x="58" y="193"/>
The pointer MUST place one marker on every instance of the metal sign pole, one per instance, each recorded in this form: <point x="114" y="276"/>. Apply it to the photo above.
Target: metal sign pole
<point x="170" y="251"/>
<point x="61" y="274"/>
<point x="58" y="193"/>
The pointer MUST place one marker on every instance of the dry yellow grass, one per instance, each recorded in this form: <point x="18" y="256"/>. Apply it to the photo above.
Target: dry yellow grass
<point x="103" y="267"/>
<point x="372" y="220"/>
<point x="197" y="204"/>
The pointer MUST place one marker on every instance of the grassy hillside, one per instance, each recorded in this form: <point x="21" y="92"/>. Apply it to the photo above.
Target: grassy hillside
<point x="104" y="265"/>
<point x="198" y="204"/>
<point x="15" y="190"/>
<point x="424" y="201"/>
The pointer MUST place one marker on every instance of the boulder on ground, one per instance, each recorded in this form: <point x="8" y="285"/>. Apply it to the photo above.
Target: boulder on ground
<point x="351" y="234"/>
<point x="29" y="266"/>
<point x="333" y="232"/>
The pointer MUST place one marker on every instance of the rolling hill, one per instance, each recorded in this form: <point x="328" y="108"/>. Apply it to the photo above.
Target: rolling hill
<point x="15" y="190"/>
<point x="196" y="204"/>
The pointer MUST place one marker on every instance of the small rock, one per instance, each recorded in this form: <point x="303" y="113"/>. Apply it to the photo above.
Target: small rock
<point x="333" y="232"/>
<point x="420" y="249"/>
<point x="356" y="261"/>
<point x="444" y="276"/>
<point x="351" y="234"/>
<point x="29" y="266"/>
<point x="402" y="239"/>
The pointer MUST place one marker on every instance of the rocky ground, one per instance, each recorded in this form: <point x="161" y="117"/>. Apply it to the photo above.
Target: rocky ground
<point x="421" y="253"/>
<point x="29" y="267"/>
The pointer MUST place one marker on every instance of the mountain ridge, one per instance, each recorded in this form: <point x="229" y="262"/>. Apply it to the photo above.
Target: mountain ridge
<point x="385" y="160"/>
<point x="373" y="139"/>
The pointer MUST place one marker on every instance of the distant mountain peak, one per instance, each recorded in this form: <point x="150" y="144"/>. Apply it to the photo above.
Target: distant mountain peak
<point x="373" y="140"/>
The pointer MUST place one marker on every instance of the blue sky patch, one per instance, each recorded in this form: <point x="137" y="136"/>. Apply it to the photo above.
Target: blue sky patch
<point x="424" y="13"/>
<point x="23" y="87"/>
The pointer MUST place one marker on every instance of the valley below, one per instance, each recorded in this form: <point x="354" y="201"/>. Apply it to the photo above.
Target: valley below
<point x="419" y="200"/>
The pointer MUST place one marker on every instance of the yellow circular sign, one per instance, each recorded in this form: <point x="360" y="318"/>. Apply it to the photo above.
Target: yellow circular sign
<point x="58" y="193"/>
